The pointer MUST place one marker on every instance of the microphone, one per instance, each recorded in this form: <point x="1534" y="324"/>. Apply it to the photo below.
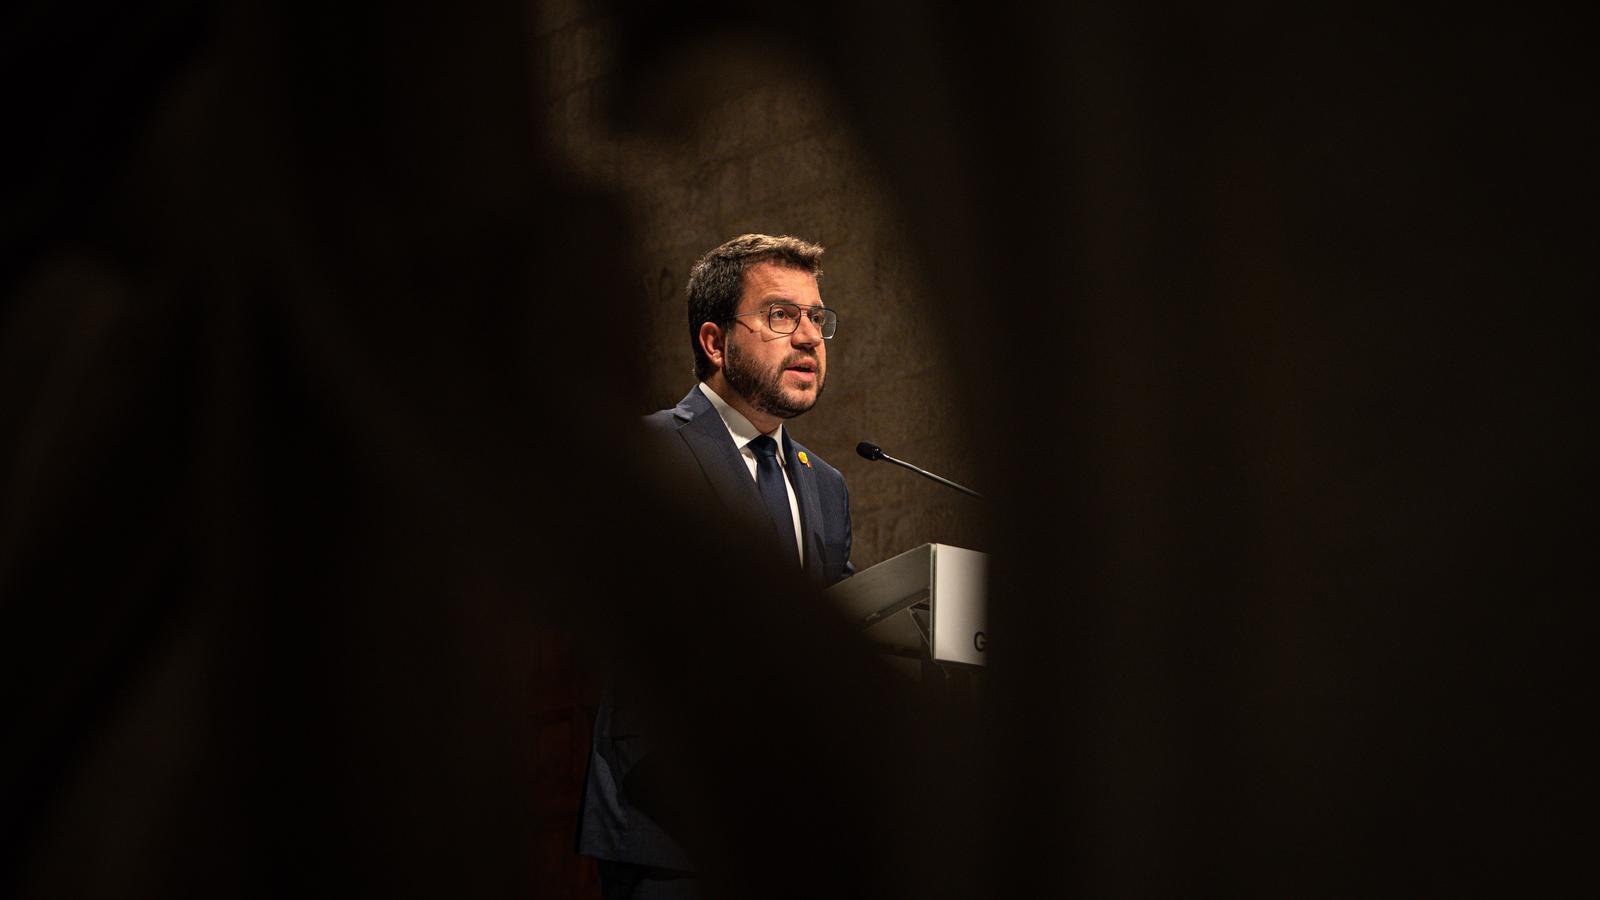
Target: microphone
<point x="871" y="451"/>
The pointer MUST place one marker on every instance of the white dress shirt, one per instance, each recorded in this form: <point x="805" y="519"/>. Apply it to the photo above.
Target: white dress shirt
<point x="742" y="432"/>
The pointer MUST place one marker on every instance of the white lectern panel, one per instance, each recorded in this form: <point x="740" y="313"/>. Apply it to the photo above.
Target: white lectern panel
<point x="957" y="598"/>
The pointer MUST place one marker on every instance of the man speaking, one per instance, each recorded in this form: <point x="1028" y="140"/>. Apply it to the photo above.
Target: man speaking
<point x="759" y="333"/>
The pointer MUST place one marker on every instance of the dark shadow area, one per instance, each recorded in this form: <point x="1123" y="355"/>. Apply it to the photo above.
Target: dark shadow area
<point x="319" y="461"/>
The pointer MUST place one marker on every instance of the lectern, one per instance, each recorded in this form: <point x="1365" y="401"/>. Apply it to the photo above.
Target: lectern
<point x="926" y="603"/>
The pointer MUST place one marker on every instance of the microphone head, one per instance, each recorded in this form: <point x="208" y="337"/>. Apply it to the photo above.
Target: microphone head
<point x="869" y="450"/>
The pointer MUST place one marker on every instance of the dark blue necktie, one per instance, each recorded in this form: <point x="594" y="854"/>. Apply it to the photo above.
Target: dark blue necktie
<point x="774" y="494"/>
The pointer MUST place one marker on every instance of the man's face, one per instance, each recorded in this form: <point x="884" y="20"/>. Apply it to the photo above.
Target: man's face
<point x="779" y="374"/>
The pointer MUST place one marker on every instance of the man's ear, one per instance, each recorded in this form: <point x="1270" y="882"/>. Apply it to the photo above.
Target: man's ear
<point x="711" y="342"/>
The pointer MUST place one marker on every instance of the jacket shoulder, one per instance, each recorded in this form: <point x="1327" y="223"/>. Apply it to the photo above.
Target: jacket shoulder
<point x="661" y="420"/>
<point x="693" y="404"/>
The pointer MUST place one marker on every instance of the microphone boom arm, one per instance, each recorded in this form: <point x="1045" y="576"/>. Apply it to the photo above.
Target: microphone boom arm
<point x="874" y="452"/>
<point x="926" y="474"/>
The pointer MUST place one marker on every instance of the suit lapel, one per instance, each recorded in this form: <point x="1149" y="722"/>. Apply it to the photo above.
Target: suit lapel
<point x="707" y="439"/>
<point x="805" y="490"/>
<point x="706" y="436"/>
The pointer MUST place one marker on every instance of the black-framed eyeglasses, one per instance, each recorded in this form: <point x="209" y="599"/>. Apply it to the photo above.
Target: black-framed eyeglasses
<point x="784" y="318"/>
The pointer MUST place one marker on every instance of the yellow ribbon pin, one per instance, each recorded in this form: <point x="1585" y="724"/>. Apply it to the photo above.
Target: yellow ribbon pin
<point x="803" y="461"/>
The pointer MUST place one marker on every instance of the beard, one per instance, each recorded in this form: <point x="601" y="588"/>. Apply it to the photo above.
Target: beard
<point x="764" y="390"/>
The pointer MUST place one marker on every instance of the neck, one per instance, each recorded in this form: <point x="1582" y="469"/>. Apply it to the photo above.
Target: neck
<point x="766" y="423"/>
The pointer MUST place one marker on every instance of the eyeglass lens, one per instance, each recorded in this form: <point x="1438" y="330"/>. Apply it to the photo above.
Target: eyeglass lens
<point x="784" y="318"/>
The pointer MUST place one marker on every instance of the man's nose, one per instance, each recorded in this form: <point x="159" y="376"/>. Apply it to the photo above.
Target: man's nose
<point x="806" y="333"/>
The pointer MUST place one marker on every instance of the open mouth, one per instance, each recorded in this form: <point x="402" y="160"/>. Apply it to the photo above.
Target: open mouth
<point x="805" y="368"/>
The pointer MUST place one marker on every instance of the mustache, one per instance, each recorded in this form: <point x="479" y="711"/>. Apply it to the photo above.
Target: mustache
<point x="799" y="356"/>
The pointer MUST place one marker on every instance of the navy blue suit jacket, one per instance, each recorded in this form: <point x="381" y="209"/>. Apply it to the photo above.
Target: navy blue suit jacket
<point x="697" y="441"/>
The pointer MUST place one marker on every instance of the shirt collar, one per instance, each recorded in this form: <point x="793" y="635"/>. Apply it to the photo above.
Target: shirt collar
<point x="739" y="427"/>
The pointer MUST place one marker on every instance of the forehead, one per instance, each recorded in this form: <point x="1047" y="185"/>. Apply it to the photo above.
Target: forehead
<point x="767" y="282"/>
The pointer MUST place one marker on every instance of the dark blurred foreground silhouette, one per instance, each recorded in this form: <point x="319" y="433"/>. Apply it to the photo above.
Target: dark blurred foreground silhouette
<point x="318" y="419"/>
